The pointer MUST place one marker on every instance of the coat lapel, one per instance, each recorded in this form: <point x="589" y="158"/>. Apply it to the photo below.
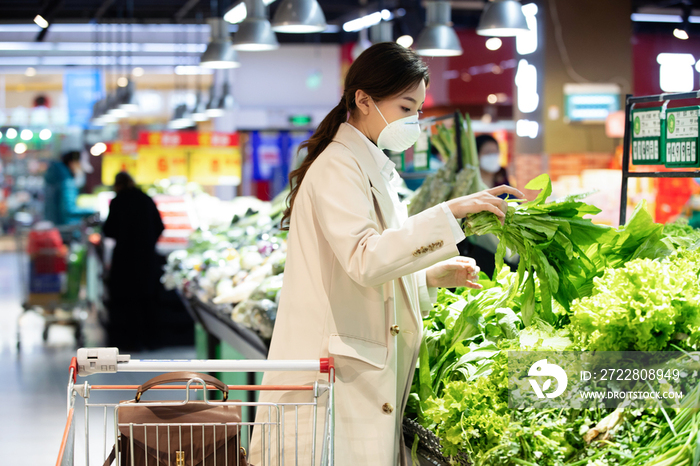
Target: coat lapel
<point x="349" y="138"/>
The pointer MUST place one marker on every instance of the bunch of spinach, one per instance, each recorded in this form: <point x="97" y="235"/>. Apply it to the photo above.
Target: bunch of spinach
<point x="551" y="239"/>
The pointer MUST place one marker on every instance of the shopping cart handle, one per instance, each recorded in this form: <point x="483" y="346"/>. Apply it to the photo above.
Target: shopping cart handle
<point x="99" y="360"/>
<point x="74" y="366"/>
<point x="326" y="365"/>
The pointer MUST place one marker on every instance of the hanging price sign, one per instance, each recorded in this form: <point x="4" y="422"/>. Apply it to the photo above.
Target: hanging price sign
<point x="157" y="162"/>
<point x="211" y="166"/>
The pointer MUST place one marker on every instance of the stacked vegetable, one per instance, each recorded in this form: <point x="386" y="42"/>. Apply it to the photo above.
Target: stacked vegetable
<point x="579" y="286"/>
<point x="238" y="269"/>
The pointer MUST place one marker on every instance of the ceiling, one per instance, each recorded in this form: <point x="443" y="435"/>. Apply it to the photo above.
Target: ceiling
<point x="167" y="33"/>
<point x="195" y="11"/>
<point x="188" y="11"/>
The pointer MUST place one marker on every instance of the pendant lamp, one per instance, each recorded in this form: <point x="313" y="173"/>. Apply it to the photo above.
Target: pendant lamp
<point x="438" y="39"/>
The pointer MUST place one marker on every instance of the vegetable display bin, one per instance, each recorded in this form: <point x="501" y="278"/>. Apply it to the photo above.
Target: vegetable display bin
<point x="647" y="137"/>
<point x="681" y="131"/>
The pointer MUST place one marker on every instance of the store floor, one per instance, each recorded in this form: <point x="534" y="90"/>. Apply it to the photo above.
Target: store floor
<point x="34" y="379"/>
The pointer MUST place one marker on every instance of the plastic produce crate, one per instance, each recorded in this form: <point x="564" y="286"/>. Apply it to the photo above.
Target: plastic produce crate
<point x="682" y="137"/>
<point x="647" y="137"/>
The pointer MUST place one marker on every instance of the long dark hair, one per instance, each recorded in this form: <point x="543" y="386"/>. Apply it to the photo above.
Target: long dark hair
<point x="383" y="70"/>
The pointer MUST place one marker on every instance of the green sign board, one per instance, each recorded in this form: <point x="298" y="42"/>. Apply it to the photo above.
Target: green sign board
<point x="682" y="137"/>
<point x="647" y="135"/>
<point x="300" y="120"/>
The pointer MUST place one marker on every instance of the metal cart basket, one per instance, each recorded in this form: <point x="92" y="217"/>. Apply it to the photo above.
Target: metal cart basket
<point x="102" y="427"/>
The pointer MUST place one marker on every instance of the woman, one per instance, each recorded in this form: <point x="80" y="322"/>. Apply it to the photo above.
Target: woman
<point x="492" y="172"/>
<point x="135" y="223"/>
<point x="359" y="272"/>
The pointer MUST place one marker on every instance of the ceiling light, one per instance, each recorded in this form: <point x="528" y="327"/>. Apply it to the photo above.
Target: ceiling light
<point x="680" y="34"/>
<point x="239" y="12"/>
<point x="255" y="33"/>
<point x="299" y="17"/>
<point x="492" y="98"/>
<point x="98" y="149"/>
<point x="438" y="39"/>
<point x="122" y="81"/>
<point x="127" y="98"/>
<point x="26" y="134"/>
<point x="502" y="18"/>
<point x="200" y="114"/>
<point x="219" y="53"/>
<point x="181" y="118"/>
<point x="41" y="22"/>
<point x="494" y="43"/>
<point x="45" y="134"/>
<point x="405" y="41"/>
<point x="11" y="133"/>
<point x="363" y="22"/>
<point x="137" y="72"/>
<point x="217" y="106"/>
<point x="30" y="72"/>
<point x="20" y="148"/>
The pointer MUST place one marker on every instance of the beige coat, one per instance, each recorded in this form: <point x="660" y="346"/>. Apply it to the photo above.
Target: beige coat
<point x="354" y="276"/>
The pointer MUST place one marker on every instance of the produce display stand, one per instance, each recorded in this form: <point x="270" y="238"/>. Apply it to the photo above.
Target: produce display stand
<point x="221" y="328"/>
<point x="220" y="325"/>
<point x="630" y="102"/>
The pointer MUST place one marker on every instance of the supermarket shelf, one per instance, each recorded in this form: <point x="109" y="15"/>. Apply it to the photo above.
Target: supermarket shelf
<point x="220" y="325"/>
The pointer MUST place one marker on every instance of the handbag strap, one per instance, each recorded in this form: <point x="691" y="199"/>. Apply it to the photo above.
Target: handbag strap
<point x="112" y="456"/>
<point x="181" y="377"/>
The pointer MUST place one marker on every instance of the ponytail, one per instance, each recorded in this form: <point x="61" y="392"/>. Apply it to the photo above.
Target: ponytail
<point x="384" y="70"/>
<point x="318" y="142"/>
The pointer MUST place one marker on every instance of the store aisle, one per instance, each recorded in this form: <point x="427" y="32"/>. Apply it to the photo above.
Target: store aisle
<point x="34" y="380"/>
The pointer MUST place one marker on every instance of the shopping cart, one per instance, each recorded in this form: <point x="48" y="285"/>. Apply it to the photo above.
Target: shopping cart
<point x="56" y="303"/>
<point x="272" y="429"/>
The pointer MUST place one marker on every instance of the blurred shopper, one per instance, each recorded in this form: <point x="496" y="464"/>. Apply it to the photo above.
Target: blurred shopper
<point x="492" y="172"/>
<point x="64" y="178"/>
<point x="135" y="223"/>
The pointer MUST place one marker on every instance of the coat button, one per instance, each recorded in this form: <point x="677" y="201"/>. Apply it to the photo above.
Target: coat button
<point x="387" y="408"/>
<point x="394" y="330"/>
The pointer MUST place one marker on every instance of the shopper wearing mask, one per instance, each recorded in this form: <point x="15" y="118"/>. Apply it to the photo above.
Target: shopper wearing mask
<point x="63" y="181"/>
<point x="359" y="272"/>
<point x="135" y="223"/>
<point x="492" y="172"/>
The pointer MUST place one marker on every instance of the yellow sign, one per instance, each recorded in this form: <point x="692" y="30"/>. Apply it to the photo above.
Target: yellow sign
<point x="211" y="166"/>
<point x="156" y="163"/>
<point x="113" y="164"/>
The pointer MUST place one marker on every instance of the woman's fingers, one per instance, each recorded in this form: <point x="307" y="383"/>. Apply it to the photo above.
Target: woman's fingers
<point x="491" y="208"/>
<point x="503" y="189"/>
<point x="474" y="286"/>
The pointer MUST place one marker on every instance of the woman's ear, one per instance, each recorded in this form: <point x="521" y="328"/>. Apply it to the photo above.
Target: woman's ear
<point x="363" y="101"/>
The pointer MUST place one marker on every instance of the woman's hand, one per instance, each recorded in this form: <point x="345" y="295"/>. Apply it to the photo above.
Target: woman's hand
<point x="483" y="200"/>
<point x="453" y="273"/>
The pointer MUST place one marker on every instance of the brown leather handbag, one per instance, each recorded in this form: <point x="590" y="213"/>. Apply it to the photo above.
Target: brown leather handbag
<point x="173" y="435"/>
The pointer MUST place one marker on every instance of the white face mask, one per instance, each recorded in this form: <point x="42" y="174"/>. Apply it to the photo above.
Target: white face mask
<point x="398" y="135"/>
<point x="490" y="163"/>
